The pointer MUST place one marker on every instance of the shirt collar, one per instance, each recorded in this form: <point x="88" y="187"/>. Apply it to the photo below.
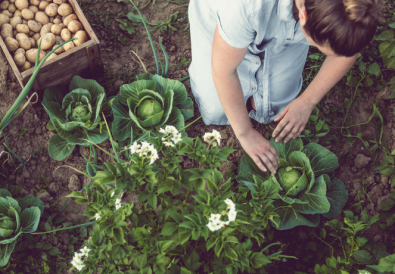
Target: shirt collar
<point x="284" y="10"/>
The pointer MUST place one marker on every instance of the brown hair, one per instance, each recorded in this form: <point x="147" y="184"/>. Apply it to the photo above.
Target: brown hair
<point x="347" y="26"/>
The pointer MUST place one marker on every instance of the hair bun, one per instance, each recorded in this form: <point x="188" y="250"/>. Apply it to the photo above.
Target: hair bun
<point x="361" y="10"/>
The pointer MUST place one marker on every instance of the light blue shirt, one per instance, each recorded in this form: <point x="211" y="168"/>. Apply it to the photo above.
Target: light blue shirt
<point x="272" y="68"/>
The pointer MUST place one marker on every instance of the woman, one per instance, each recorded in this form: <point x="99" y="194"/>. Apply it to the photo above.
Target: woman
<point x="253" y="52"/>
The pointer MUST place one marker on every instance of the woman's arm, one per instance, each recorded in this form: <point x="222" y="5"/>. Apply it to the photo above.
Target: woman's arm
<point x="296" y="115"/>
<point x="224" y="62"/>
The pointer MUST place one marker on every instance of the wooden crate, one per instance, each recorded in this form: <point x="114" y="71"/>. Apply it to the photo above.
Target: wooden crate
<point x="61" y="69"/>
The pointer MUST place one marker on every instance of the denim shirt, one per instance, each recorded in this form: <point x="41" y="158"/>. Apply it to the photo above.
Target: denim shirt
<point x="272" y="68"/>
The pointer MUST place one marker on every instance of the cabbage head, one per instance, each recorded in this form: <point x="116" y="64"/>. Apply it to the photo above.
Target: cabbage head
<point x="148" y="104"/>
<point x="75" y="114"/>
<point x="16" y="218"/>
<point x="305" y="189"/>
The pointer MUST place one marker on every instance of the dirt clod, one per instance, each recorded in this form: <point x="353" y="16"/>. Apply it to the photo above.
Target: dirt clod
<point x="53" y="188"/>
<point x="384" y="180"/>
<point x="44" y="196"/>
<point x="74" y="183"/>
<point x="361" y="161"/>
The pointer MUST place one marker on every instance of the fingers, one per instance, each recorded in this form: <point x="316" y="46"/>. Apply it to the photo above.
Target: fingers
<point x="274" y="152"/>
<point x="284" y="132"/>
<point x="281" y="115"/>
<point x="292" y="134"/>
<point x="279" y="128"/>
<point x="268" y="160"/>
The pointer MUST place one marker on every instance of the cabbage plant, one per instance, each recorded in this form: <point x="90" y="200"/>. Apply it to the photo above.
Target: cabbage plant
<point x="16" y="218"/>
<point x="75" y="114"/>
<point x="305" y="189"/>
<point x="149" y="103"/>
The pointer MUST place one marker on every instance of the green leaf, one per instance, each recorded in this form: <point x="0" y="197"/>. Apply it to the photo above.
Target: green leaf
<point x="55" y="94"/>
<point x="316" y="198"/>
<point x="30" y="219"/>
<point x="169" y="228"/>
<point x="92" y="86"/>
<point x="284" y="150"/>
<point x="5" y="193"/>
<point x="118" y="235"/>
<point x="337" y="196"/>
<point x="386" y="264"/>
<point x="322" y="160"/>
<point x="187" y="224"/>
<point x="132" y="90"/>
<point x="54" y="251"/>
<point x="6" y="203"/>
<point x="122" y="126"/>
<point x="30" y="201"/>
<point x="362" y="256"/>
<point x="387" y="205"/>
<point x="59" y="148"/>
<point x="374" y="69"/>
<point x="258" y="260"/>
<point x="180" y="91"/>
<point x="230" y="253"/>
<point x="385" y="35"/>
<point x="140" y="261"/>
<point x="247" y="169"/>
<point x="290" y="218"/>
<point x="5" y="252"/>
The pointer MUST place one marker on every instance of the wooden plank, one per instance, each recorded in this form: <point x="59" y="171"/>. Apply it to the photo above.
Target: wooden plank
<point x="93" y="53"/>
<point x="84" y="22"/>
<point x="11" y="62"/>
<point x="62" y="68"/>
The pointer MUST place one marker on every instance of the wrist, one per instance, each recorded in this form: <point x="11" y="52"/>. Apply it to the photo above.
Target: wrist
<point x="310" y="102"/>
<point x="241" y="133"/>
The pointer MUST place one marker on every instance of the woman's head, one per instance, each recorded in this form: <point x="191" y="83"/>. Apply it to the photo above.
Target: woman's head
<point x="343" y="27"/>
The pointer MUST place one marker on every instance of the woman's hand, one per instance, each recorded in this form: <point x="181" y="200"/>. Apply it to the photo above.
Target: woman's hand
<point x="293" y="120"/>
<point x="260" y="150"/>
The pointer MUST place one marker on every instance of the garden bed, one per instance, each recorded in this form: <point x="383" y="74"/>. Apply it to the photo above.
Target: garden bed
<point x="41" y="176"/>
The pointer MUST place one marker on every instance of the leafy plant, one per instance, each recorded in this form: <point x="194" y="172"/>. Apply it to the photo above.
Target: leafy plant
<point x="387" y="169"/>
<point x="387" y="210"/>
<point x="149" y="103"/>
<point x="315" y="129"/>
<point x="76" y="116"/>
<point x="305" y="189"/>
<point x="16" y="218"/>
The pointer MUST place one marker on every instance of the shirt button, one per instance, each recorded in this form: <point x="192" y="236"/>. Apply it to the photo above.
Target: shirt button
<point x="257" y="63"/>
<point x="253" y="88"/>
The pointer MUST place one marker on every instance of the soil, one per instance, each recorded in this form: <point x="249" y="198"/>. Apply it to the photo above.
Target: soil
<point x="51" y="180"/>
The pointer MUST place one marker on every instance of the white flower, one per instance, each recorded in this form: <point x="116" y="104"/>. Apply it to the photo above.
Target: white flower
<point x="206" y="136"/>
<point x="215" y="218"/>
<point x="135" y="148"/>
<point x="154" y="156"/>
<point x="117" y="204"/>
<point x="112" y="194"/>
<point x="97" y="216"/>
<point x="171" y="129"/>
<point x="232" y="215"/>
<point x="80" y="266"/>
<point x="177" y="138"/>
<point x="214" y="226"/>
<point x="78" y="257"/>
<point x="217" y="136"/>
<point x="85" y="251"/>
<point x="230" y="204"/>
<point x="168" y="144"/>
<point x="162" y="131"/>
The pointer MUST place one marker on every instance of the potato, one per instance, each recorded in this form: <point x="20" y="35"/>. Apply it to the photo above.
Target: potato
<point x="59" y="2"/>
<point x="74" y="26"/>
<point x="65" y="34"/>
<point x="82" y="38"/>
<point x="41" y="17"/>
<point x="46" y="29"/>
<point x="27" y="14"/>
<point x="36" y="36"/>
<point x="52" y="56"/>
<point x="26" y="66"/>
<point x="21" y="4"/>
<point x="21" y="36"/>
<point x="18" y="13"/>
<point x="20" y="50"/>
<point x="11" y="43"/>
<point x="31" y="33"/>
<point x="59" y="50"/>
<point x="48" y="40"/>
<point x="56" y="29"/>
<point x="15" y="21"/>
<point x="51" y="9"/>
<point x="34" y="26"/>
<point x="19" y="58"/>
<point x="34" y="9"/>
<point x="68" y="46"/>
<point x="25" y="44"/>
<point x="6" y="31"/>
<point x="43" y="5"/>
<point x="65" y="9"/>
<point x="62" y="25"/>
<point x="12" y="8"/>
<point x="69" y="18"/>
<point x="58" y="39"/>
<point x="7" y="13"/>
<point x="32" y="42"/>
<point x="57" y="21"/>
<point x="4" y="5"/>
<point x="21" y="28"/>
<point x="31" y="55"/>
<point x="4" y="19"/>
<point x="34" y="2"/>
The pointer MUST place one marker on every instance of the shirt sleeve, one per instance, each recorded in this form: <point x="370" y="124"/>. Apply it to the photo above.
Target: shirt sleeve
<point x="234" y="23"/>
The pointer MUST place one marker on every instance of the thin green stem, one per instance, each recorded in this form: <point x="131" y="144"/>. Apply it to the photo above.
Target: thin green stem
<point x="186" y="198"/>
<point x="66" y="228"/>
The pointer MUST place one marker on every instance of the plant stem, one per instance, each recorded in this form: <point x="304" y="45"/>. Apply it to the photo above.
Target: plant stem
<point x="186" y="198"/>
<point x="66" y="228"/>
